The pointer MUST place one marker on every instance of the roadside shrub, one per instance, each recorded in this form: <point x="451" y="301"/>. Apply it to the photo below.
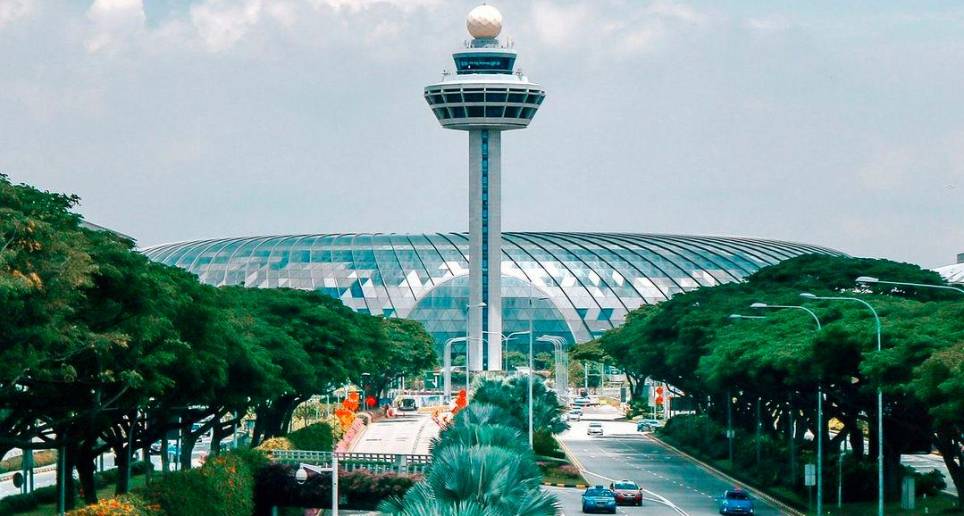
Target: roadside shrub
<point x="40" y="458"/>
<point x="106" y="478"/>
<point x="569" y="469"/>
<point x="233" y="481"/>
<point x="254" y="459"/>
<point x="224" y="485"/>
<point x="276" y="443"/>
<point x="124" y="505"/>
<point x="276" y="486"/>
<point x="28" y="502"/>
<point x="317" y="437"/>
<point x="544" y="444"/>
<point x="930" y="483"/>
<point x="697" y="434"/>
<point x="183" y="493"/>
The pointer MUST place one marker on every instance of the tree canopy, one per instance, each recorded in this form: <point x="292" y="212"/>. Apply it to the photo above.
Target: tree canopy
<point x="101" y="349"/>
<point x="692" y="343"/>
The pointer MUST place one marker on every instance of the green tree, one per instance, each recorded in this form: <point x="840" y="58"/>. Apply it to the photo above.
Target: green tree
<point x="690" y="343"/>
<point x="408" y="351"/>
<point x="511" y="395"/>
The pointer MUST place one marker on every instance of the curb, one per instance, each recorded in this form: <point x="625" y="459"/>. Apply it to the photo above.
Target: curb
<point x="573" y="486"/>
<point x="759" y="493"/>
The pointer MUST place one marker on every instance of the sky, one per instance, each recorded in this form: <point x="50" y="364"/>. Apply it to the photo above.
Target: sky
<point x="832" y="123"/>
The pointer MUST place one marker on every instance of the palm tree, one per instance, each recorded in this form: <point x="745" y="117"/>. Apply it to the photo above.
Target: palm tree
<point x="467" y="478"/>
<point x="497" y="435"/>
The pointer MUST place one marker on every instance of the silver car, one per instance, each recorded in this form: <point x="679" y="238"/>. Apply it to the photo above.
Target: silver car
<point x="595" y="428"/>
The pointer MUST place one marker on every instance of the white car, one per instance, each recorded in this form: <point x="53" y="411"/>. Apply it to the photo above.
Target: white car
<point x="595" y="428"/>
<point x="573" y="415"/>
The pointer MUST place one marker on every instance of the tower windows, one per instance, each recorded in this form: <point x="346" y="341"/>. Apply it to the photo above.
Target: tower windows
<point x="493" y="111"/>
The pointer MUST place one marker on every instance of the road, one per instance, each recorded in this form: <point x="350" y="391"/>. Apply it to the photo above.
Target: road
<point x="403" y="434"/>
<point x="49" y="478"/>
<point x="673" y="484"/>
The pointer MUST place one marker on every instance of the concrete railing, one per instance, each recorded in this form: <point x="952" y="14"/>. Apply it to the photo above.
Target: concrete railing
<point x="374" y="462"/>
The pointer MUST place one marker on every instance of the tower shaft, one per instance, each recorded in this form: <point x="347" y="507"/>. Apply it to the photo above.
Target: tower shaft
<point x="485" y="249"/>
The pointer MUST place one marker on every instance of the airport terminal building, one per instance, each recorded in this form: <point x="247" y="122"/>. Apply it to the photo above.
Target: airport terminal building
<point x="581" y="284"/>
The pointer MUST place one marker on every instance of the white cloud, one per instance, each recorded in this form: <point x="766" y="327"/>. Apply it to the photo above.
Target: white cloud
<point x="638" y="29"/>
<point x="768" y="24"/>
<point x="357" y="5"/>
<point x="221" y="23"/>
<point x="114" y="21"/>
<point x="12" y="10"/>
<point x="561" y="26"/>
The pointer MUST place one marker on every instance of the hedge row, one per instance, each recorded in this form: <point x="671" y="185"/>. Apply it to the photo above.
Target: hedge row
<point x="360" y="489"/>
<point x="48" y="495"/>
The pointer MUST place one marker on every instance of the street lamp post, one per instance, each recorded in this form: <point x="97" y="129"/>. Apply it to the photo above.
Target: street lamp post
<point x="301" y="476"/>
<point x="561" y="363"/>
<point x="505" y="342"/>
<point x="880" y="396"/>
<point x="531" y="340"/>
<point x="870" y="279"/>
<point x="447" y="365"/>
<point x="820" y="425"/>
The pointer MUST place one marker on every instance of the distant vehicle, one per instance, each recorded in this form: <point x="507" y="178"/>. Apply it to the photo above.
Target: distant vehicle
<point x="627" y="492"/>
<point x="580" y="402"/>
<point x="736" y="501"/>
<point x="573" y="415"/>
<point x="593" y="400"/>
<point x="598" y="499"/>
<point x="648" y="425"/>
<point x="406" y="404"/>
<point x="595" y="428"/>
<point x="576" y="410"/>
<point x="171" y="446"/>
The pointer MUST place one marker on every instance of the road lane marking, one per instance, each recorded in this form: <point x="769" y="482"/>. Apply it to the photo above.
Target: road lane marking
<point x="658" y="498"/>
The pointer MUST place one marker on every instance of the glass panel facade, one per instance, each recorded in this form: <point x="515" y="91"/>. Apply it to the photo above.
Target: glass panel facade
<point x="591" y="279"/>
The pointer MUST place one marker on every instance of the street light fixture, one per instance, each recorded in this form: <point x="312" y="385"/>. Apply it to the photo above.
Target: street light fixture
<point x="880" y="395"/>
<point x="447" y="366"/>
<point x="870" y="279"/>
<point x="562" y="364"/>
<point x="301" y="476"/>
<point x="820" y="425"/>
<point x="741" y="316"/>
<point x="531" y="339"/>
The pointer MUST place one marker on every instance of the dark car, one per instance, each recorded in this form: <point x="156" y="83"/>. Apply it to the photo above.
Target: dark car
<point x="648" y="425"/>
<point x="599" y="499"/>
<point x="627" y="492"/>
<point x="736" y="501"/>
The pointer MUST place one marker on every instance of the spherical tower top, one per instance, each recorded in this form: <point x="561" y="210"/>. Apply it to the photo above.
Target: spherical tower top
<point x="485" y="22"/>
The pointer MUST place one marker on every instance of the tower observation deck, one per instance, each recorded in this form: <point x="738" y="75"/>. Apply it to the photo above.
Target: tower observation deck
<point x="485" y="96"/>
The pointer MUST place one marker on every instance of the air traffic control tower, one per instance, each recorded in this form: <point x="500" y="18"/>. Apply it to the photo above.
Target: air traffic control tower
<point x="485" y="97"/>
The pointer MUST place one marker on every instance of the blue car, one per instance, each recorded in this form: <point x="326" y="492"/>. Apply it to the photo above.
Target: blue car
<point x="736" y="501"/>
<point x="599" y="499"/>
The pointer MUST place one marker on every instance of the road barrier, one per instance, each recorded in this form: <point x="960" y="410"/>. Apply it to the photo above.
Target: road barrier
<point x="374" y="462"/>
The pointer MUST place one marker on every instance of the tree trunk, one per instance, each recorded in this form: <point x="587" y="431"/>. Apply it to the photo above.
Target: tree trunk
<point x="188" y="440"/>
<point x="950" y="449"/>
<point x="218" y="435"/>
<point x="165" y="456"/>
<point x="149" y="470"/>
<point x="85" y="472"/>
<point x="120" y="460"/>
<point x="71" y="498"/>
